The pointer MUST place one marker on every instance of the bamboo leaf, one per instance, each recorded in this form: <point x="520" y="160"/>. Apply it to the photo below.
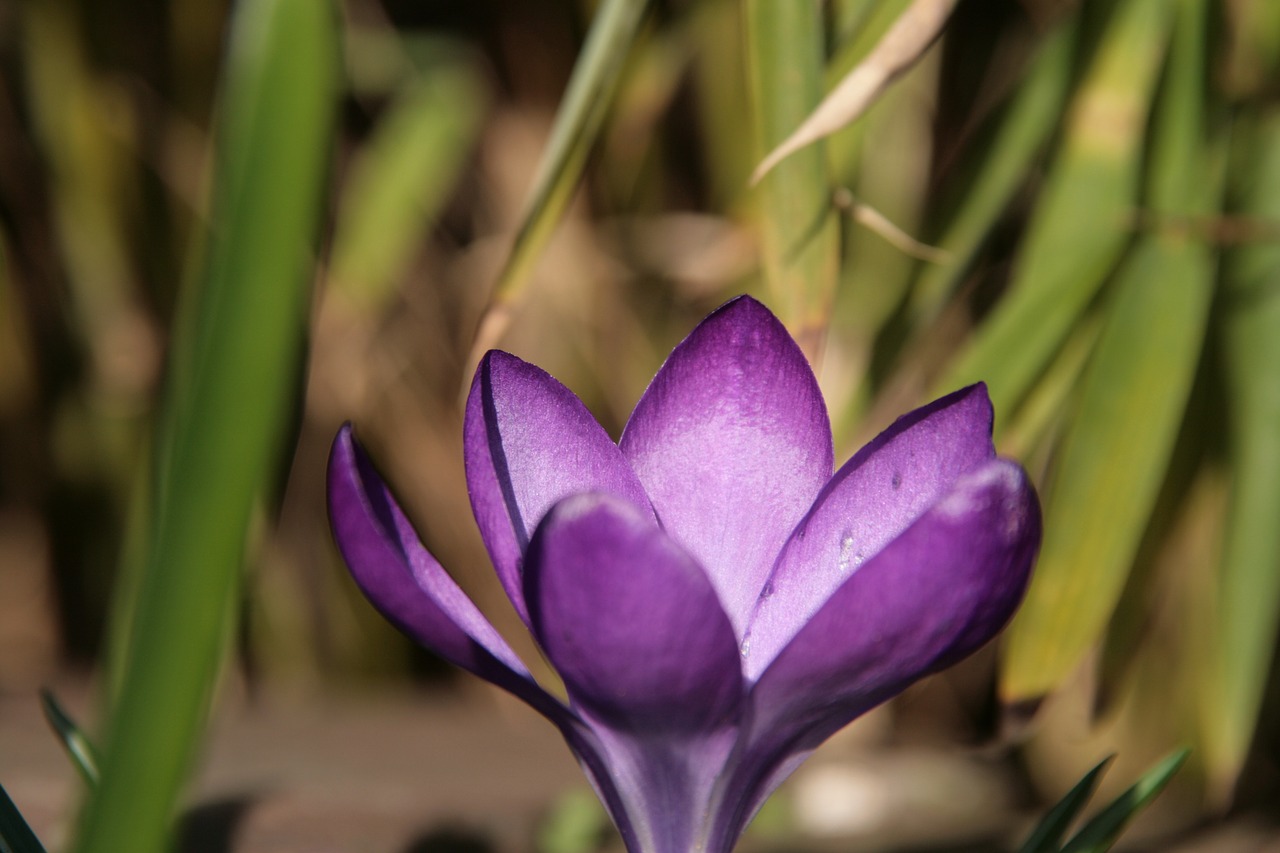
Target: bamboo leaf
<point x="785" y="47"/>
<point x="1082" y="221"/>
<point x="1134" y="393"/>
<point x="225" y="418"/>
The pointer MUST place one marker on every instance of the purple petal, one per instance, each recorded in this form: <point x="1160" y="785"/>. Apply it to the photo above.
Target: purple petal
<point x="630" y="621"/>
<point x="732" y="443"/>
<point x="528" y="443"/>
<point x="408" y="585"/>
<point x="931" y="597"/>
<point x="886" y="486"/>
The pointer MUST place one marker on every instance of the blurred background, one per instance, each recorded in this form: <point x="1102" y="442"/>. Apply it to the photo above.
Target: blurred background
<point x="1077" y="202"/>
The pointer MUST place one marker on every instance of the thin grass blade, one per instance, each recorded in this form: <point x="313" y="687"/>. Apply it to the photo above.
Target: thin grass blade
<point x="1132" y="400"/>
<point x="798" y="225"/>
<point x="1048" y="834"/>
<point x="235" y="368"/>
<point x="74" y="741"/>
<point x="401" y="178"/>
<point x="1104" y="828"/>
<point x="577" y="127"/>
<point x="15" y="835"/>
<point x="1084" y="218"/>
<point x="1000" y="163"/>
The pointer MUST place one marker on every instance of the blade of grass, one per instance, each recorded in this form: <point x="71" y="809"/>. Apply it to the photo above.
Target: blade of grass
<point x="1105" y="827"/>
<point x="1048" y="834"/>
<point x="15" y="835"/>
<point x="1133" y="396"/>
<point x="577" y="126"/>
<point x="73" y="739"/>
<point x="401" y="178"/>
<point x="1082" y="221"/>
<point x="1249" y="614"/>
<point x="224" y="422"/>
<point x="798" y="225"/>
<point x="1000" y="162"/>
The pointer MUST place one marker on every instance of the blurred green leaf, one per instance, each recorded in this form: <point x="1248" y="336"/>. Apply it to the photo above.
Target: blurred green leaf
<point x="15" y="835"/>
<point x="400" y="179"/>
<point x="1083" y="219"/>
<point x="1134" y="393"/>
<point x="1250" y="582"/>
<point x="591" y="91"/>
<point x="997" y="165"/>
<point x="577" y="824"/>
<point x="1105" y="827"/>
<point x="230" y="390"/>
<point x="798" y="226"/>
<point x="73" y="739"/>
<point x="1048" y="834"/>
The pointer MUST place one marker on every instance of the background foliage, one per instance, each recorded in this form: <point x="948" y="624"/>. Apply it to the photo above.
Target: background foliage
<point x="1076" y="202"/>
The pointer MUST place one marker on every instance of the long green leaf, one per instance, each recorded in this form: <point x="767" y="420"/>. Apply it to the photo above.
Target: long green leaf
<point x="1134" y="392"/>
<point x="15" y="835"/>
<point x="1082" y="221"/>
<point x="999" y="165"/>
<point x="785" y="48"/>
<point x="1250" y="582"/>
<point x="1048" y="834"/>
<point x="1105" y="827"/>
<point x="230" y="391"/>
<point x="401" y="178"/>
<point x="577" y="126"/>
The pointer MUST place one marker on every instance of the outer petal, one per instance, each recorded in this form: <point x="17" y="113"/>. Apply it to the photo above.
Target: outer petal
<point x="886" y="486"/>
<point x="528" y="443"/>
<point x="412" y="590"/>
<point x="630" y="620"/>
<point x="408" y="585"/>
<point x="732" y="443"/>
<point x="931" y="597"/>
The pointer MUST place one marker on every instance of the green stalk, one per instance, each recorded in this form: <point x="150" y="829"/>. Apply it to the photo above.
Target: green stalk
<point x="225" y="416"/>
<point x="797" y="222"/>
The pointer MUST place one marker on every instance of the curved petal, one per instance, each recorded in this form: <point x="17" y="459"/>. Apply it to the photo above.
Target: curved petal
<point x="931" y="597"/>
<point x="630" y="621"/>
<point x="886" y="486"/>
<point x="732" y="443"/>
<point x="408" y="585"/>
<point x="528" y="442"/>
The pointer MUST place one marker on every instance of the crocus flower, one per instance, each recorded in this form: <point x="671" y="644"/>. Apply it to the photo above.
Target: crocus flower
<point x="716" y="601"/>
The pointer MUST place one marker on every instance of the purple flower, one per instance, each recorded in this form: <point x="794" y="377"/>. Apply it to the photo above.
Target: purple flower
<point x="715" y="600"/>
